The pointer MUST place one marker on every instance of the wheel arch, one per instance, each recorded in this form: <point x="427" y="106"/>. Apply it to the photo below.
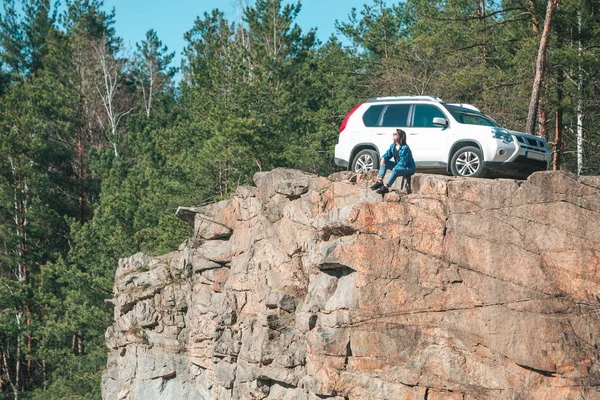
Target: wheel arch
<point x="458" y="145"/>
<point x="360" y="147"/>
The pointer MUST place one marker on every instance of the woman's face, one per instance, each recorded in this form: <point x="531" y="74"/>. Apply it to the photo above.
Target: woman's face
<point x="396" y="137"/>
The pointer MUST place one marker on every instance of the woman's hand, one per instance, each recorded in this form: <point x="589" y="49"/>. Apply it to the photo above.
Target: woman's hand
<point x="382" y="162"/>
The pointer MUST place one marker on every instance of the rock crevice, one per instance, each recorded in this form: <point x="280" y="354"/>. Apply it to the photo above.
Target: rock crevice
<point x="307" y="288"/>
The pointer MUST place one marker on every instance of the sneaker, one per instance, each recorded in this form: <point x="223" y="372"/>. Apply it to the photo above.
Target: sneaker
<point x="383" y="190"/>
<point x="376" y="185"/>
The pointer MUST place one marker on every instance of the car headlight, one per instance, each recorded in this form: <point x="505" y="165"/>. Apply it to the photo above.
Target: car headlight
<point x="500" y="133"/>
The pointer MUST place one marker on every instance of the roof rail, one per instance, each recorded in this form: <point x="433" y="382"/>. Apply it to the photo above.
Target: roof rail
<point x="388" y="98"/>
<point x="464" y="105"/>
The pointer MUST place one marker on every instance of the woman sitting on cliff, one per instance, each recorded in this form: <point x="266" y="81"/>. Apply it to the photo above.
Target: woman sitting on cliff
<point x="403" y="164"/>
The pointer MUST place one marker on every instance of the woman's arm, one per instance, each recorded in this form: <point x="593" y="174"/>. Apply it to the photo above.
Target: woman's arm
<point x="388" y="154"/>
<point x="405" y="155"/>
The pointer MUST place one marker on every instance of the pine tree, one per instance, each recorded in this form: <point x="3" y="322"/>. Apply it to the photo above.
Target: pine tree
<point x="219" y="129"/>
<point x="30" y="232"/>
<point x="153" y="71"/>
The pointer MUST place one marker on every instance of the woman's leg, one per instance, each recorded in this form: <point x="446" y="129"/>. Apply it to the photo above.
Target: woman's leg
<point x="398" y="171"/>
<point x="388" y="164"/>
<point x="384" y="188"/>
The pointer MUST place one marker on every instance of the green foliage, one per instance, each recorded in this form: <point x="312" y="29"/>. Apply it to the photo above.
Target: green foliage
<point x="81" y="187"/>
<point x="379" y="29"/>
<point x="151" y="70"/>
<point x="12" y="40"/>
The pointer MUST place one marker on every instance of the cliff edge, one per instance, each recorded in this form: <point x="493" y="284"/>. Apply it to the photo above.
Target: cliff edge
<point x="306" y="287"/>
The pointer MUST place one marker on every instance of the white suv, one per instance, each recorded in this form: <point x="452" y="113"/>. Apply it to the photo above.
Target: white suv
<point x="456" y="138"/>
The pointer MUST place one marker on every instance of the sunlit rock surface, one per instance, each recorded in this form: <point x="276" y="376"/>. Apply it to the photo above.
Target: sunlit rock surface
<point x="307" y="287"/>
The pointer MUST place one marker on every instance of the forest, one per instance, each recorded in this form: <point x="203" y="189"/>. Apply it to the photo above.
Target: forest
<point x="100" y="146"/>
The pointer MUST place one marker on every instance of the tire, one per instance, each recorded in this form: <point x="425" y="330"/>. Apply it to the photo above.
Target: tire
<point x="365" y="161"/>
<point x="468" y="161"/>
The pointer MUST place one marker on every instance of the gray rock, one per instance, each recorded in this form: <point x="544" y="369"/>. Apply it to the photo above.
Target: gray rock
<point x="187" y="214"/>
<point x="312" y="288"/>
<point x="225" y="374"/>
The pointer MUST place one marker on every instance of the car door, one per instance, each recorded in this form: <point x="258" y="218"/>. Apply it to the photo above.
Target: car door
<point x="427" y="141"/>
<point x="394" y="116"/>
<point x="372" y="120"/>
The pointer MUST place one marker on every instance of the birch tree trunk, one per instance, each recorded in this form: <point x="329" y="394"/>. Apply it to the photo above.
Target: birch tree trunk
<point x="579" y="98"/>
<point x="579" y="136"/>
<point x="18" y="364"/>
<point x="107" y="86"/>
<point x="21" y="205"/>
<point x="6" y="371"/>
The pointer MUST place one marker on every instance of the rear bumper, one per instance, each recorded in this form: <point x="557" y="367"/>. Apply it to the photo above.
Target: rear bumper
<point x="340" y="162"/>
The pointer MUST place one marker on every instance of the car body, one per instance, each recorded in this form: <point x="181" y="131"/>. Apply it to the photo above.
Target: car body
<point x="450" y="138"/>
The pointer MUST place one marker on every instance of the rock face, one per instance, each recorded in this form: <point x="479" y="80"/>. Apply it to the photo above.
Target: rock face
<point x="306" y="287"/>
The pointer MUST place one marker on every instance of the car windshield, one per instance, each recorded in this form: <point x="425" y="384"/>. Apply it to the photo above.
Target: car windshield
<point x="470" y="117"/>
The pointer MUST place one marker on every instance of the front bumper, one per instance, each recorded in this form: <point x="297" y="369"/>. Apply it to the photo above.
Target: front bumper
<point x="519" y="158"/>
<point x="521" y="167"/>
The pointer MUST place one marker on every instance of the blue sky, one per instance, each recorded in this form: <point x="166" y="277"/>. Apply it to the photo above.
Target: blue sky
<point x="172" y="18"/>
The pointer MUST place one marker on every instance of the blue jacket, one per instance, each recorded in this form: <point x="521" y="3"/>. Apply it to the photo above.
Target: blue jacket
<point x="405" y="158"/>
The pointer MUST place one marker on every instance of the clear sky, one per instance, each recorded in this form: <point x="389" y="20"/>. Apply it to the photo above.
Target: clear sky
<point x="172" y="18"/>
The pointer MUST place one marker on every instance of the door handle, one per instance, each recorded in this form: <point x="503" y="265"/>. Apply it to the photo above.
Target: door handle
<point x="413" y="133"/>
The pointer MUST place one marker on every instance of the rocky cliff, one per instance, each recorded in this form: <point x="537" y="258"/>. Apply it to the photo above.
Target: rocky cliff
<point x="306" y="287"/>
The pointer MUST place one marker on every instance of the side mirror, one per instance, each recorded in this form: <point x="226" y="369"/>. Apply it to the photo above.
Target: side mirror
<point x="440" y="121"/>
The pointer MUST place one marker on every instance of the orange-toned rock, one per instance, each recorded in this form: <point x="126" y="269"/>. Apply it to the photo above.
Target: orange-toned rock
<point x="310" y="288"/>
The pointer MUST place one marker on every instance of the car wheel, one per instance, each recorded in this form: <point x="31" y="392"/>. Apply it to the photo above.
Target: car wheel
<point x="364" y="161"/>
<point x="467" y="161"/>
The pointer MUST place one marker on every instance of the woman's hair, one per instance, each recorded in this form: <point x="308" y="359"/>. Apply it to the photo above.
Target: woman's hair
<point x="401" y="136"/>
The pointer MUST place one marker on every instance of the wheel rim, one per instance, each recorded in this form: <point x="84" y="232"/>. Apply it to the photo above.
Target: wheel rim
<point x="364" y="163"/>
<point x="467" y="163"/>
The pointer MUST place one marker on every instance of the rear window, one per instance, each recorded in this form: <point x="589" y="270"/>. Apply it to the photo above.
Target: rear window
<point x="396" y="115"/>
<point x="371" y="116"/>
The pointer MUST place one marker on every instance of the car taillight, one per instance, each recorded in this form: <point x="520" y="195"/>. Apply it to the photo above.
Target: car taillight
<point x="345" y="121"/>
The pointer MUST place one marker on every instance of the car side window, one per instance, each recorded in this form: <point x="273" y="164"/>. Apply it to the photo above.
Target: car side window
<point x="371" y="116"/>
<point x="424" y="115"/>
<point x="396" y="115"/>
